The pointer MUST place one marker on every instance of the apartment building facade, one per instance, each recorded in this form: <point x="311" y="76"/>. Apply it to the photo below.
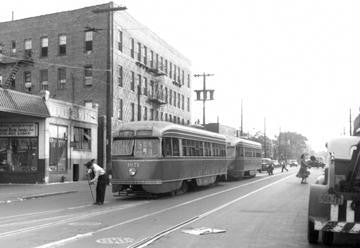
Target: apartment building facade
<point x="98" y="54"/>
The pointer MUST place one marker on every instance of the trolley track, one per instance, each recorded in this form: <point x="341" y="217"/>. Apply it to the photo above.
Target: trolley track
<point x="143" y="240"/>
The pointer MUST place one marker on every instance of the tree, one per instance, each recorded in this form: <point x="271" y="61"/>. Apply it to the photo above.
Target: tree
<point x="291" y="145"/>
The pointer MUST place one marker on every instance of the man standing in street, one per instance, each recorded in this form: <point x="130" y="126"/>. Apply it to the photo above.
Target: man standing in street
<point x="283" y="164"/>
<point x="100" y="178"/>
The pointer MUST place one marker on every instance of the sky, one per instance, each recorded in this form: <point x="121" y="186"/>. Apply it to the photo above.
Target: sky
<point x="295" y="63"/>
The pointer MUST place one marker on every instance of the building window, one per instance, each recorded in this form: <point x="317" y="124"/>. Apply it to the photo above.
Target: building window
<point x="82" y="138"/>
<point x="28" y="47"/>
<point x="62" y="45"/>
<point x="174" y="99"/>
<point x="161" y="63"/>
<point x="120" y="109"/>
<point x="182" y="102"/>
<point x="139" y="52"/>
<point x="188" y="104"/>
<point x="152" y="59"/>
<point x="132" y="47"/>
<point x="44" y="79"/>
<point x="139" y="113"/>
<point x="157" y="115"/>
<point x="166" y="95"/>
<point x="88" y="75"/>
<point x="120" y="40"/>
<point x="19" y="154"/>
<point x="166" y="116"/>
<point x="27" y="80"/>
<point x="161" y="116"/>
<point x="120" y="76"/>
<point x="132" y="111"/>
<point x="1" y="48"/>
<point x="157" y="61"/>
<point x="151" y="114"/>
<point x="182" y="77"/>
<point x="179" y="99"/>
<point x="132" y="83"/>
<point x="61" y="78"/>
<point x="89" y="35"/>
<point x="170" y="96"/>
<point x="145" y="86"/>
<point x="179" y="76"/>
<point x="1" y="79"/>
<point x="175" y="69"/>
<point x="166" y="67"/>
<point x="58" y="143"/>
<point x="170" y="70"/>
<point x="170" y="117"/>
<point x="44" y="41"/>
<point x="139" y="84"/>
<point x="13" y="47"/>
<point x="188" y="81"/>
<point x="145" y="55"/>
<point x="145" y="113"/>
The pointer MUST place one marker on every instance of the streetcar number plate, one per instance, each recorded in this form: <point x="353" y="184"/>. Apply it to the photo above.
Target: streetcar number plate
<point x="331" y="199"/>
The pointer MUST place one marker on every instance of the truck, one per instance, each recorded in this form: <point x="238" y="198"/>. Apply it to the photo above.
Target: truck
<point x="334" y="202"/>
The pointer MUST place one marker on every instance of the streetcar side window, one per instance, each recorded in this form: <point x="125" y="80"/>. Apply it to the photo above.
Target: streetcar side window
<point x="222" y="151"/>
<point x="239" y="151"/>
<point x="176" y="147"/>
<point x="166" y="147"/>
<point x="207" y="147"/>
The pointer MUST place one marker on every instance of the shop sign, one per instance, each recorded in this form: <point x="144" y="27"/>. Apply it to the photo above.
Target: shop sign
<point x="18" y="129"/>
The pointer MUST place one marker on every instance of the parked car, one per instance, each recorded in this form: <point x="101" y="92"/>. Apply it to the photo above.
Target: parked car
<point x="334" y="199"/>
<point x="293" y="162"/>
<point x="265" y="162"/>
<point x="276" y="163"/>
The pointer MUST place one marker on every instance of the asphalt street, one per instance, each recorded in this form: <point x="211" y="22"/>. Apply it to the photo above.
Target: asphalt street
<point x="265" y="211"/>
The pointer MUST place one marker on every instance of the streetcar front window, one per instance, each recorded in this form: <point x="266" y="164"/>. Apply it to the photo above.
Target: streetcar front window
<point x="123" y="147"/>
<point x="147" y="148"/>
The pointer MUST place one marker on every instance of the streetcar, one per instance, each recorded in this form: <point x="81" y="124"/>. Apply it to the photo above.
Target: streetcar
<point x="243" y="157"/>
<point x="162" y="157"/>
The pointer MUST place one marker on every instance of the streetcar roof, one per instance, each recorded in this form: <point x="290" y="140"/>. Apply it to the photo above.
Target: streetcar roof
<point x="161" y="128"/>
<point x="343" y="147"/>
<point x="235" y="141"/>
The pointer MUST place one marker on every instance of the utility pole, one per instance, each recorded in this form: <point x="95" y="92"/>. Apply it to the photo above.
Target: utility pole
<point x="242" y="127"/>
<point x="204" y="92"/>
<point x="264" y="137"/>
<point x="350" y="123"/>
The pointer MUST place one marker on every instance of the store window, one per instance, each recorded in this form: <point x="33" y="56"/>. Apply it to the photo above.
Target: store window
<point x="58" y="148"/>
<point x="82" y="138"/>
<point x="18" y="147"/>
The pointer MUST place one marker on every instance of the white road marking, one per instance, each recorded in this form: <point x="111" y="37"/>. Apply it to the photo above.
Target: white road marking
<point x="115" y="240"/>
<point x="80" y="236"/>
<point x="197" y="218"/>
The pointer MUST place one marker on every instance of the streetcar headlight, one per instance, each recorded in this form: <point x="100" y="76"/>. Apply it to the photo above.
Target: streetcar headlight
<point x="132" y="171"/>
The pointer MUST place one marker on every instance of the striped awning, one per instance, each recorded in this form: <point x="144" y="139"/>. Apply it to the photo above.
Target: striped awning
<point x="16" y="102"/>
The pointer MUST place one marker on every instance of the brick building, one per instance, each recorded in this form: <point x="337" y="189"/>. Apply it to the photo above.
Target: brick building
<point x="97" y="54"/>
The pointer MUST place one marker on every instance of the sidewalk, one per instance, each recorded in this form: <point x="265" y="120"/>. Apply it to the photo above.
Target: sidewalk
<point x="20" y="192"/>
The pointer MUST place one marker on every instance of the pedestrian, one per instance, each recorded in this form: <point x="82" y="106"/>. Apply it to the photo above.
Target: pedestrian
<point x="283" y="164"/>
<point x="100" y="178"/>
<point x="303" y="171"/>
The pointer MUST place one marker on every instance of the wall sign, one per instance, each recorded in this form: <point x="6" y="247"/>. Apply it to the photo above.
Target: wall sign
<point x="18" y="129"/>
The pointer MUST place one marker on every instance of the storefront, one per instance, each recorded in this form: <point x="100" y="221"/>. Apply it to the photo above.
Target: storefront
<point x="44" y="140"/>
<point x="19" y="152"/>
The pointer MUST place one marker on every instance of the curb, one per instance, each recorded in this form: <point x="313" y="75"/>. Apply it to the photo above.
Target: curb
<point x="29" y="197"/>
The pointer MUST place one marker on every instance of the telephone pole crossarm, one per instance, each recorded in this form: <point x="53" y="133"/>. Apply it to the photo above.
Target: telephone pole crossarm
<point x="204" y="92"/>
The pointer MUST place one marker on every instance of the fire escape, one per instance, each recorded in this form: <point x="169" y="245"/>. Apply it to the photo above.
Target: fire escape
<point x="15" y="63"/>
<point x="156" y="94"/>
